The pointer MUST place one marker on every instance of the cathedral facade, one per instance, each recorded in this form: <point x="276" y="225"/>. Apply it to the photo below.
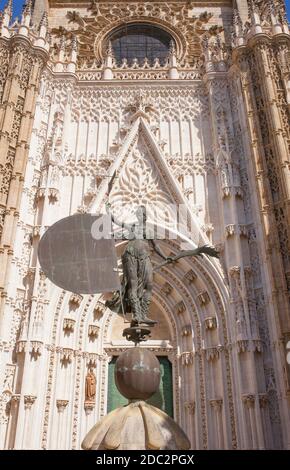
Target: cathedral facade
<point x="188" y="102"/>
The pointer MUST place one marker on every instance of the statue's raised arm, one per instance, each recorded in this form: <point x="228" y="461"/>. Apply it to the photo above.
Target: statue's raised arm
<point x="128" y="227"/>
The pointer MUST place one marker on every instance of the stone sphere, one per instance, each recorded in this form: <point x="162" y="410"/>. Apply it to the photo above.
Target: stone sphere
<point x="137" y="374"/>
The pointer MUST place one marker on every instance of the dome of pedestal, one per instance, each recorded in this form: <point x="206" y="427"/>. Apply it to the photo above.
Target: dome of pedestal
<point x="136" y="426"/>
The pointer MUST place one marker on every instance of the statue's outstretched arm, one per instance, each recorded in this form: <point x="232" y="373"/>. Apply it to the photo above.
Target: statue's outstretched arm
<point x="201" y="250"/>
<point x="158" y="250"/>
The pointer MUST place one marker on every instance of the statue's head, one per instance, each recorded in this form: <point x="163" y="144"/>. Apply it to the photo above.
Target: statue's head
<point x="141" y="214"/>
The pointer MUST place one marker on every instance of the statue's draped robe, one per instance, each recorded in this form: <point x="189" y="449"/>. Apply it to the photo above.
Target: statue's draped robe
<point x="137" y="265"/>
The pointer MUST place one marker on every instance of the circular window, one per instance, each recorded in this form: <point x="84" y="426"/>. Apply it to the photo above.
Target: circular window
<point x="140" y="41"/>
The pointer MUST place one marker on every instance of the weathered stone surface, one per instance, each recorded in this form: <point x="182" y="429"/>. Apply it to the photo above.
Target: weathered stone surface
<point x="211" y="128"/>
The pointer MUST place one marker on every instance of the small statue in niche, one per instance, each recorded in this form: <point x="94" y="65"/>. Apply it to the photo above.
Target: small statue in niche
<point x="90" y="386"/>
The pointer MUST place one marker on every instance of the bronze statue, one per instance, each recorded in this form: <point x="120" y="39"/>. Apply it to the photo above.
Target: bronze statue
<point x="137" y="284"/>
<point x="90" y="386"/>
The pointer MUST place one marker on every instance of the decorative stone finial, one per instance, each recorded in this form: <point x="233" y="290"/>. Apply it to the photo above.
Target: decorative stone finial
<point x="108" y="72"/>
<point x="8" y="9"/>
<point x="74" y="43"/>
<point x="110" y="51"/>
<point x="173" y="71"/>
<point x="6" y="18"/>
<point x="275" y="20"/>
<point x="44" y="20"/>
<point x="25" y="18"/>
<point x="172" y="48"/>
<point x="73" y="55"/>
<point x="62" y="43"/>
<point x="27" y="8"/>
<point x="255" y="17"/>
<point x="238" y="28"/>
<point x="43" y="28"/>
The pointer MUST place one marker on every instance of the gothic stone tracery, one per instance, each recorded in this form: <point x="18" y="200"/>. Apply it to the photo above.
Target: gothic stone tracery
<point x="208" y="129"/>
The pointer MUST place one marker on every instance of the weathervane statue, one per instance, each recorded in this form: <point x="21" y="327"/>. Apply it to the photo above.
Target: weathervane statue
<point x="137" y="284"/>
<point x="92" y="267"/>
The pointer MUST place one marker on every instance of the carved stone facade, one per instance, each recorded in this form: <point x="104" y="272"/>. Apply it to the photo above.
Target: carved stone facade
<point x="208" y="131"/>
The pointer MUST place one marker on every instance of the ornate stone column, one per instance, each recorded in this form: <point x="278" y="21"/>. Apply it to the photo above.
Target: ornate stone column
<point x="216" y="405"/>
<point x="14" y="407"/>
<point x="29" y="400"/>
<point x="263" y="403"/>
<point x="61" y="407"/>
<point x="193" y="429"/>
<point x="187" y="359"/>
<point x="262" y="68"/>
<point x="249" y="401"/>
<point x="228" y="154"/>
<point x="27" y="59"/>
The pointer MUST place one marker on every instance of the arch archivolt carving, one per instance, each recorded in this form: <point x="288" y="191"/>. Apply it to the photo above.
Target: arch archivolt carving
<point x="211" y="277"/>
<point x="96" y="27"/>
<point x="101" y="41"/>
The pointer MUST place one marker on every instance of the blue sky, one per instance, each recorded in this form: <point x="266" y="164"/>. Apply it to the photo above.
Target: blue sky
<point x="18" y="6"/>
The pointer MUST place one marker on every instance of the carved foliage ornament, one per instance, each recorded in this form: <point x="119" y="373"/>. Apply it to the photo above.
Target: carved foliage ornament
<point x="92" y="31"/>
<point x="140" y="184"/>
<point x="267" y="7"/>
<point x="4" y="54"/>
